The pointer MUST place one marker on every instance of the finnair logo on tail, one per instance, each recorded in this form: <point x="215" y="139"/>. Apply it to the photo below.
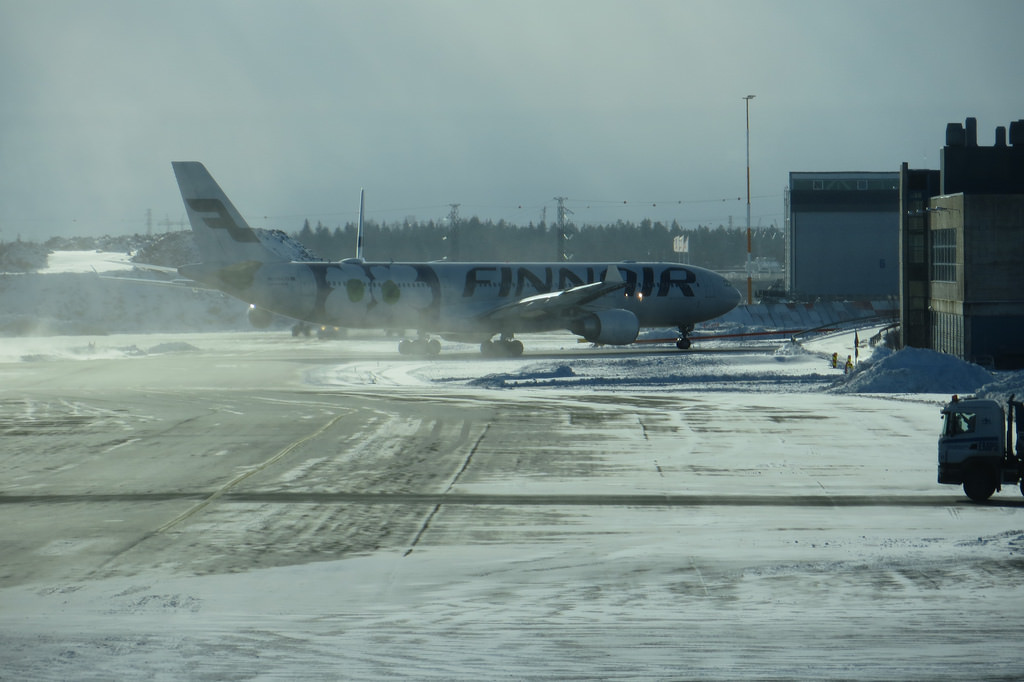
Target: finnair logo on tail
<point x="223" y="220"/>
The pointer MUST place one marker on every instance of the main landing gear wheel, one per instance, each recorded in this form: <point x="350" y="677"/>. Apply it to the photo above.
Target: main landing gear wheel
<point x="507" y="348"/>
<point x="419" y="347"/>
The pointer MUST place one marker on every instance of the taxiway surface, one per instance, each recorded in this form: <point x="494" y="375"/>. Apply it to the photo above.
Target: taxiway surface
<point x="216" y="509"/>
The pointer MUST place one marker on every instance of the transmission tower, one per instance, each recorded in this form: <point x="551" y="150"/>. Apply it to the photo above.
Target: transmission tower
<point x="561" y="235"/>
<point x="453" y="232"/>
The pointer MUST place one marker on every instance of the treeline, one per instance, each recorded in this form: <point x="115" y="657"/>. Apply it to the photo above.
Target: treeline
<point x="475" y="240"/>
<point x="471" y="239"/>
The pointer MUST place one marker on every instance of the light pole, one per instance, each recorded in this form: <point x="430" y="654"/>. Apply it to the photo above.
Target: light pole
<point x="750" y="286"/>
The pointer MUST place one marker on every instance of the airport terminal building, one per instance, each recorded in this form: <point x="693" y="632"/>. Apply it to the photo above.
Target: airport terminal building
<point x="962" y="249"/>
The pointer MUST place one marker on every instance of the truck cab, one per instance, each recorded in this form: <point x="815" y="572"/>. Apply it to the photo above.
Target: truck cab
<point x="975" y="446"/>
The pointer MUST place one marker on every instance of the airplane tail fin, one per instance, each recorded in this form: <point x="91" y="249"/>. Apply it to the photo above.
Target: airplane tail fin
<point x="219" y="229"/>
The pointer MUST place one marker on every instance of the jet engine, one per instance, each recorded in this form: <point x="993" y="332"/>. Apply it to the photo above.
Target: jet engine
<point x="615" y="327"/>
<point x="260" y="318"/>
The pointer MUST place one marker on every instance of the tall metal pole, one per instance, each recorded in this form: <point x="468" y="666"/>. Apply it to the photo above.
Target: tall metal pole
<point x="750" y="285"/>
<point x="359" y="229"/>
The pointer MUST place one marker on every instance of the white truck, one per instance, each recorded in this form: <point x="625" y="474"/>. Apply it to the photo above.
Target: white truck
<point x="977" y="446"/>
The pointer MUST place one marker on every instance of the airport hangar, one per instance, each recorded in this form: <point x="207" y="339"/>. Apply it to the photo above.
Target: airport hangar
<point x="842" y="236"/>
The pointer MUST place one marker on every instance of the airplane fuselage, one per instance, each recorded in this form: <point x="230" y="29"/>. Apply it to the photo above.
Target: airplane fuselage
<point x="454" y="298"/>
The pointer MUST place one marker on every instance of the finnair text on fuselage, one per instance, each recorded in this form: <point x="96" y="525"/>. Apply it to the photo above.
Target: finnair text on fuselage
<point x="517" y="280"/>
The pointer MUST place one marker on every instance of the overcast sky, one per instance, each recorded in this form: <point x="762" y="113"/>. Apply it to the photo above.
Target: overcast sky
<point x="630" y="109"/>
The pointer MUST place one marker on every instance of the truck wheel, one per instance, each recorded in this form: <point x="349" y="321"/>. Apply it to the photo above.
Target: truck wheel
<point x="979" y="484"/>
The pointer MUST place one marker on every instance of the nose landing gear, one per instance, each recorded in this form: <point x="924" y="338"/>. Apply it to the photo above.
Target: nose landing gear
<point x="683" y="342"/>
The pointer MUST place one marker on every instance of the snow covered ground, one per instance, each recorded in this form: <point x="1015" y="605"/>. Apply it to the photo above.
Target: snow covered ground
<point x="790" y="528"/>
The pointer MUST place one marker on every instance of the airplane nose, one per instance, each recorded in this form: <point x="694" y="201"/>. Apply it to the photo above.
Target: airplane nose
<point x="731" y="296"/>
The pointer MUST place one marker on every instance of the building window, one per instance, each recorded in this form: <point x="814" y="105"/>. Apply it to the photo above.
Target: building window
<point x="818" y="184"/>
<point x="917" y="248"/>
<point x="862" y="184"/>
<point x="944" y="255"/>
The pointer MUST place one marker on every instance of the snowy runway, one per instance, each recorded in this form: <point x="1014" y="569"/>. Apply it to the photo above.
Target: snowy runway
<point x="262" y="508"/>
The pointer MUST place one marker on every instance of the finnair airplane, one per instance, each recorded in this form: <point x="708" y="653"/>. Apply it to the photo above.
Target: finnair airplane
<point x="605" y="303"/>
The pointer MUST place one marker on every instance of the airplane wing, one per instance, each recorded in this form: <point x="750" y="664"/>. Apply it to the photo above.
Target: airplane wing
<point x="162" y="269"/>
<point x="172" y="279"/>
<point x="178" y="283"/>
<point x="557" y="302"/>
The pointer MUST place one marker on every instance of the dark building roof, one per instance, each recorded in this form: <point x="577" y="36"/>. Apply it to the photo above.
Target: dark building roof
<point x="970" y="169"/>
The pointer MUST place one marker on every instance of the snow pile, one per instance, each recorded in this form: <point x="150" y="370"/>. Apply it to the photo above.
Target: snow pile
<point x="85" y="261"/>
<point x="1006" y="385"/>
<point x="795" y="371"/>
<point x="172" y="347"/>
<point x="535" y="375"/>
<point x="914" y="370"/>
<point x="44" y="349"/>
<point x="283" y="245"/>
<point x="791" y="349"/>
